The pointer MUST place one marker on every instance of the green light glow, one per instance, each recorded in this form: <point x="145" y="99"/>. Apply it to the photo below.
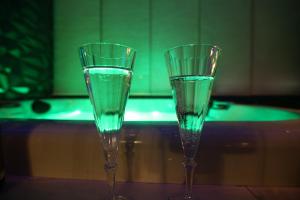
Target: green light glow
<point x="21" y="90"/>
<point x="145" y="110"/>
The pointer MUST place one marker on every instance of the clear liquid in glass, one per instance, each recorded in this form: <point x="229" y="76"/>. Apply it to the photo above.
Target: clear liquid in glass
<point x="191" y="95"/>
<point x="108" y="87"/>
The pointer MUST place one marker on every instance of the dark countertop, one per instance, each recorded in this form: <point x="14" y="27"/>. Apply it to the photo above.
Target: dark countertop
<point x="33" y="188"/>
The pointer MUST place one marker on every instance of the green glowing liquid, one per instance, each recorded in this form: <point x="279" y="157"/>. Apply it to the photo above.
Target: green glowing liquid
<point x="108" y="88"/>
<point x="191" y="94"/>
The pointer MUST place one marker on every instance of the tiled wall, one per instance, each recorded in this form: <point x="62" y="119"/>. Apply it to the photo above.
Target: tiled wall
<point x="258" y="39"/>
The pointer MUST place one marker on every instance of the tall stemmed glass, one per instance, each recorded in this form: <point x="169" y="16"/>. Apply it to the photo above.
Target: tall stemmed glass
<point x="191" y="71"/>
<point x="107" y="71"/>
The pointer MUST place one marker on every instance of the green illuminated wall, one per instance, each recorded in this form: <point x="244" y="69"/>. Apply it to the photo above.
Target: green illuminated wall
<point x="250" y="32"/>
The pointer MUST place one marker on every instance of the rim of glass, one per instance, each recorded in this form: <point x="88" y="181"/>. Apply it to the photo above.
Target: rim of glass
<point x="194" y="44"/>
<point x="106" y="43"/>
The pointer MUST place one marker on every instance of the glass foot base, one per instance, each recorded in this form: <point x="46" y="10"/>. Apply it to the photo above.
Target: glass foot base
<point x="181" y="197"/>
<point x="119" y="197"/>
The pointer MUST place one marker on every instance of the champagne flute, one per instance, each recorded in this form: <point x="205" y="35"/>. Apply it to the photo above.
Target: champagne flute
<point x="107" y="69"/>
<point x="191" y="70"/>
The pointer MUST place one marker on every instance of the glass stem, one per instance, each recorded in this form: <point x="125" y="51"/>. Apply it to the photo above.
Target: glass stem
<point x="111" y="179"/>
<point x="189" y="165"/>
<point x="190" y="141"/>
<point x="110" y="143"/>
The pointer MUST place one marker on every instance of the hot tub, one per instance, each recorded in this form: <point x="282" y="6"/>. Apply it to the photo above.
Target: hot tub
<point x="240" y="144"/>
<point x="145" y="110"/>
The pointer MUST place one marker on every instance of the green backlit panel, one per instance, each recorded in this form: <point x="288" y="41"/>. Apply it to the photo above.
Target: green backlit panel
<point x="75" y="23"/>
<point x="173" y="23"/>
<point x="114" y="21"/>
<point x="227" y="24"/>
<point x="127" y="22"/>
<point x="147" y="110"/>
<point x="274" y="56"/>
<point x="151" y="27"/>
<point x="247" y="31"/>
